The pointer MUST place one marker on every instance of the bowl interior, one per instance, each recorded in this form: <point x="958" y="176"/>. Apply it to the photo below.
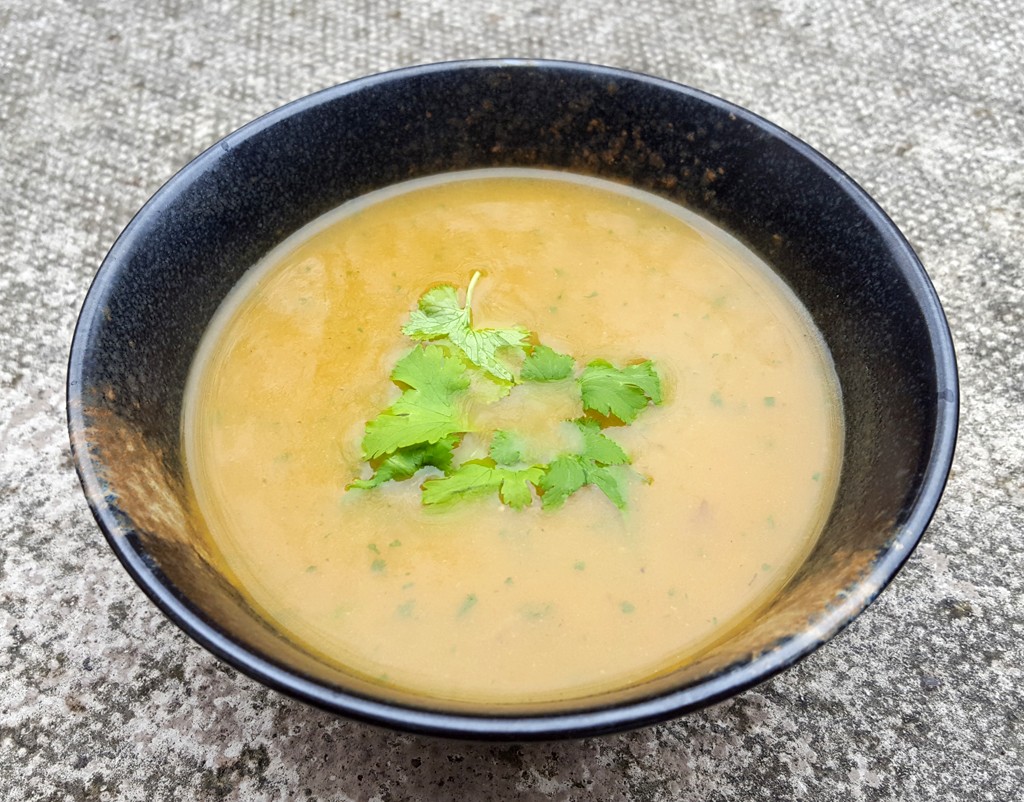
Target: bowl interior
<point x="169" y="271"/>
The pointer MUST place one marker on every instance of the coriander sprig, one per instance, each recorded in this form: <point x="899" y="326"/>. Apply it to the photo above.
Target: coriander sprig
<point x="439" y="317"/>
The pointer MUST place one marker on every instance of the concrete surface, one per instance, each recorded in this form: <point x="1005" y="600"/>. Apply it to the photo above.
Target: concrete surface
<point x="101" y="698"/>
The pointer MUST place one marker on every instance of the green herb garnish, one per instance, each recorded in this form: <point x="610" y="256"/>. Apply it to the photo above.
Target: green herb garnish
<point x="443" y="379"/>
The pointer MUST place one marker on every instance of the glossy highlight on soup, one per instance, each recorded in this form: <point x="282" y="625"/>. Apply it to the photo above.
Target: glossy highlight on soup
<point x="734" y="472"/>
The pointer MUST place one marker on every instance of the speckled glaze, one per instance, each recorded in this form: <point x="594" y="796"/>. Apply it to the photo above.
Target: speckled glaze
<point x="164" y="278"/>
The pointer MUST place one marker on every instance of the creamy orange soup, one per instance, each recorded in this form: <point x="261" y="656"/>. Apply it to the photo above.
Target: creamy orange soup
<point x="736" y="469"/>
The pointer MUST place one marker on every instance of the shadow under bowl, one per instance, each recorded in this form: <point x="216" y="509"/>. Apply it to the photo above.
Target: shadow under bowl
<point x="161" y="283"/>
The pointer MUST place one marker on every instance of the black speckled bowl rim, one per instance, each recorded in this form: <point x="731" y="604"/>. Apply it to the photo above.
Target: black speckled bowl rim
<point x="491" y="726"/>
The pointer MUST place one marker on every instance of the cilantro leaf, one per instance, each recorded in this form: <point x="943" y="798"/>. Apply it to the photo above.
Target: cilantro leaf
<point x="515" y="485"/>
<point x="610" y="480"/>
<point x="569" y="472"/>
<point x="405" y="462"/>
<point x="478" y="478"/>
<point x="644" y="376"/>
<point x="543" y="364"/>
<point x="600" y="464"/>
<point x="439" y="316"/>
<point x="506" y="448"/>
<point x="469" y="479"/>
<point x="481" y="347"/>
<point x="598" y="447"/>
<point x="437" y="313"/>
<point x="427" y="410"/>
<point x="432" y="371"/>
<point x="564" y="476"/>
<point x="620" y="393"/>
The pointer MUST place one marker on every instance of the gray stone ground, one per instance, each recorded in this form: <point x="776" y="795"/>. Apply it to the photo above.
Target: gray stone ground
<point x="101" y="698"/>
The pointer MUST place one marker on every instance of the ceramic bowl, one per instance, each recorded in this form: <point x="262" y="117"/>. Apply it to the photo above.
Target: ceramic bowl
<point x="163" y="280"/>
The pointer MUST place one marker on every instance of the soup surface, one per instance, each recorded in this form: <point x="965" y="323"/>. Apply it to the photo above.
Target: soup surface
<point x="732" y="475"/>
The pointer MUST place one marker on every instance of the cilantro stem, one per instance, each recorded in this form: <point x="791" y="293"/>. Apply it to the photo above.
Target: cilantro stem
<point x="469" y="290"/>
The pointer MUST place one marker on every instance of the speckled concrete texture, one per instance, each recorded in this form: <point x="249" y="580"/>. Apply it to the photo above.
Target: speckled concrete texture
<point x="919" y="100"/>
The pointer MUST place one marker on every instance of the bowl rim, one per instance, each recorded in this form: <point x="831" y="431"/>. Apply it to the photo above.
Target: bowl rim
<point x="524" y="726"/>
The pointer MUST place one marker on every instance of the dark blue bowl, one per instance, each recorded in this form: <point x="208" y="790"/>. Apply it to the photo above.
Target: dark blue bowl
<point x="165" y="276"/>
